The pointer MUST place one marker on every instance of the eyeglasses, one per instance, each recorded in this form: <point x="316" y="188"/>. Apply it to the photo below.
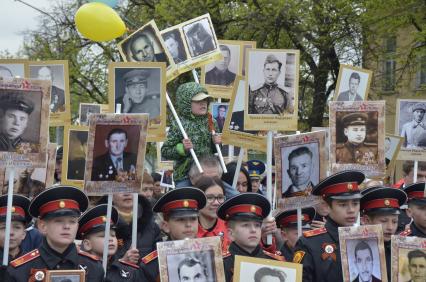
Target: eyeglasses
<point x="220" y="198"/>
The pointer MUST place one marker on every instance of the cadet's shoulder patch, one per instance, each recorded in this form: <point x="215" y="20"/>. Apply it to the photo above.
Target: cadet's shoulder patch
<point x="226" y="254"/>
<point x="128" y="263"/>
<point x="25" y="258"/>
<point x="314" y="232"/>
<point x="274" y="256"/>
<point x="405" y="232"/>
<point x="298" y="256"/>
<point x="149" y="257"/>
<point x="85" y="254"/>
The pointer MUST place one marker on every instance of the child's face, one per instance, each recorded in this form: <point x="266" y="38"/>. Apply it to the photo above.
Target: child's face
<point x="181" y="227"/>
<point x="94" y="243"/>
<point x="17" y="234"/>
<point x="199" y="108"/>
<point x="344" y="212"/>
<point x="147" y="190"/>
<point x="246" y="234"/>
<point x="59" y="231"/>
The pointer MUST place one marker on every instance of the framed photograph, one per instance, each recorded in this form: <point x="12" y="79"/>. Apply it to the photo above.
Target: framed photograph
<point x="219" y="76"/>
<point x="271" y="99"/>
<point x="163" y="163"/>
<point x="65" y="276"/>
<point x="247" y="45"/>
<point x="74" y="158"/>
<point x="147" y="45"/>
<point x="140" y="88"/>
<point x="233" y="132"/>
<point x="24" y="113"/>
<point x="13" y="68"/>
<point x="362" y="252"/>
<point x="116" y="153"/>
<point x="219" y="112"/>
<point x="408" y="258"/>
<point x="327" y="142"/>
<point x="257" y="269"/>
<point x="353" y="84"/>
<point x="60" y="101"/>
<point x="185" y="260"/>
<point x="411" y="126"/>
<point x="85" y="109"/>
<point x="357" y="131"/>
<point x="199" y="42"/>
<point x="167" y="179"/>
<point x="392" y="146"/>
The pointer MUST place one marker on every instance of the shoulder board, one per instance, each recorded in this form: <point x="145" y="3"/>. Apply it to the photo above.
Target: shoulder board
<point x="128" y="263"/>
<point x="370" y="144"/>
<point x="256" y="87"/>
<point x="226" y="254"/>
<point x="25" y="258"/>
<point x="93" y="257"/>
<point x="281" y="87"/>
<point x="149" y="257"/>
<point x="274" y="256"/>
<point x="314" y="232"/>
<point x="405" y="232"/>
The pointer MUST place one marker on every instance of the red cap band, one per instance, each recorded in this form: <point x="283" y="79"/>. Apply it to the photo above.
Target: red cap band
<point x="244" y="209"/>
<point x="293" y="219"/>
<point x="15" y="209"/>
<point x="91" y="223"/>
<point x="340" y="188"/>
<point x="416" y="195"/>
<point x="381" y="203"/>
<point x="58" y="205"/>
<point x="180" y="204"/>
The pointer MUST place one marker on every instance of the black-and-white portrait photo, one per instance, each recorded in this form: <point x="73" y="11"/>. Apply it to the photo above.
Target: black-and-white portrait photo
<point x="363" y="260"/>
<point x="219" y="111"/>
<point x="412" y="124"/>
<point x="54" y="73"/>
<point x="300" y="169"/>
<point x="8" y="70"/>
<point x="77" y="150"/>
<point x="392" y="146"/>
<point x="223" y="72"/>
<point x="65" y="278"/>
<point x="199" y="37"/>
<point x="237" y="118"/>
<point x="352" y="84"/>
<point x="271" y="82"/>
<point x="197" y="266"/>
<point x="86" y="109"/>
<point x="266" y="273"/>
<point x="174" y="44"/>
<point x="138" y="90"/>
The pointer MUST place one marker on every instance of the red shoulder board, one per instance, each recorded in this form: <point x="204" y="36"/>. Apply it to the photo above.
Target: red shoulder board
<point x="226" y="254"/>
<point x="149" y="257"/>
<point x="25" y="258"/>
<point x="314" y="232"/>
<point x="88" y="255"/>
<point x="274" y="256"/>
<point x="405" y="232"/>
<point x="128" y="263"/>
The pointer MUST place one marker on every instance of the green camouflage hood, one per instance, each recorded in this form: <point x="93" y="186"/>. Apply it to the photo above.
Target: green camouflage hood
<point x="184" y="95"/>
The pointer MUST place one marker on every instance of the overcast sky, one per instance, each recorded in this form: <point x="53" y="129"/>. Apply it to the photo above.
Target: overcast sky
<point x="15" y="18"/>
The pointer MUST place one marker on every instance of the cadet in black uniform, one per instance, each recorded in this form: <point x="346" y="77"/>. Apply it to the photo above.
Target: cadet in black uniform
<point x="287" y="222"/>
<point x="318" y="249"/>
<point x="381" y="205"/>
<point x="92" y="233"/>
<point x="244" y="214"/>
<point x="58" y="209"/>
<point x="179" y="209"/>
<point x="416" y="210"/>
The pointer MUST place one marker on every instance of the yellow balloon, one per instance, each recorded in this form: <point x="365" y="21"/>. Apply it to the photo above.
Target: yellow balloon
<point x="99" y="22"/>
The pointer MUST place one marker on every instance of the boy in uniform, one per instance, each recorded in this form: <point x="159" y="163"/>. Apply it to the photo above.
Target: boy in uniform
<point x="416" y="210"/>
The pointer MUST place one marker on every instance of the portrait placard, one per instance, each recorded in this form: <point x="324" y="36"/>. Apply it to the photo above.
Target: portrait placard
<point x="167" y="179"/>
<point x="411" y="125"/>
<point x="85" y="109"/>
<point x="140" y="88"/>
<point x="357" y="131"/>
<point x="219" y="76"/>
<point x="300" y="165"/>
<point x="65" y="275"/>
<point x="327" y="143"/>
<point x="258" y="269"/>
<point x="392" y="146"/>
<point x="201" y="257"/>
<point x="272" y="83"/>
<point x="116" y="153"/>
<point x="24" y="112"/>
<point x="147" y="45"/>
<point x="362" y="252"/>
<point x="60" y="99"/>
<point x="353" y="84"/>
<point x="199" y="42"/>
<point x="233" y="132"/>
<point x="74" y="158"/>
<point x="408" y="258"/>
<point x="163" y="163"/>
<point x="219" y="112"/>
<point x="13" y="68"/>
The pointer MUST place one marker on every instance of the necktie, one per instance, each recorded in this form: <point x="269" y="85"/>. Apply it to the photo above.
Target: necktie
<point x="118" y="164"/>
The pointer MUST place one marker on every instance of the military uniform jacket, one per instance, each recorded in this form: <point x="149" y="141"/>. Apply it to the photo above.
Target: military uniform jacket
<point x="318" y="251"/>
<point x="268" y="99"/>
<point x="9" y="145"/>
<point x="291" y="193"/>
<point x="37" y="262"/>
<point x="150" y="270"/>
<point x="364" y="154"/>
<point x="287" y="252"/>
<point x="150" y="105"/>
<point x="413" y="231"/>
<point x="216" y="77"/>
<point x="122" y="271"/>
<point x="104" y="169"/>
<point x="413" y="133"/>
<point x="234" y="249"/>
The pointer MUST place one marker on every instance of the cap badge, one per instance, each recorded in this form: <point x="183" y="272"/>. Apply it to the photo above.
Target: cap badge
<point x="62" y="204"/>
<point x="253" y="208"/>
<point x="13" y="209"/>
<point x="103" y="219"/>
<point x="350" y="186"/>
<point x="185" y="203"/>
<point x="386" y="202"/>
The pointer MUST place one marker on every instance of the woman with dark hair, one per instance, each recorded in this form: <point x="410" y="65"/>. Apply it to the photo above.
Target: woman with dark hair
<point x="243" y="183"/>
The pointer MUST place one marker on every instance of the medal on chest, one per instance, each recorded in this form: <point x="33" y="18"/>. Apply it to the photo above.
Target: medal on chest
<point x="124" y="274"/>
<point x="329" y="251"/>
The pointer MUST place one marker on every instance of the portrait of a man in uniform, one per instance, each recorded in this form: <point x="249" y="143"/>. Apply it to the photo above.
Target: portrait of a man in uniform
<point x="199" y="37"/>
<point x="355" y="149"/>
<point x="57" y="94"/>
<point x="352" y="93"/>
<point x="174" y="44"/>
<point x="417" y="265"/>
<point x="364" y="263"/>
<point x="219" y="113"/>
<point x="269" y="97"/>
<point x="414" y="131"/>
<point x="220" y="73"/>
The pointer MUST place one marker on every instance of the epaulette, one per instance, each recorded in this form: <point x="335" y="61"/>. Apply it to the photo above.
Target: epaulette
<point x="226" y="254"/>
<point x="25" y="258"/>
<point x="274" y="256"/>
<point x="128" y="263"/>
<point x="405" y="232"/>
<point x="93" y="257"/>
<point x="314" y="232"/>
<point x="149" y="257"/>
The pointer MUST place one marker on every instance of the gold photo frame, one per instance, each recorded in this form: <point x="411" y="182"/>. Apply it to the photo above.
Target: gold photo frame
<point x="346" y="81"/>
<point x="392" y="147"/>
<point x="65" y="275"/>
<point x="405" y="251"/>
<point x="13" y="68"/>
<point x="84" y="109"/>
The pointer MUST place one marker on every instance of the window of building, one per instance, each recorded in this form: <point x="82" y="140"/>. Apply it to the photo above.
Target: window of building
<point x="421" y="72"/>
<point x="388" y="75"/>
